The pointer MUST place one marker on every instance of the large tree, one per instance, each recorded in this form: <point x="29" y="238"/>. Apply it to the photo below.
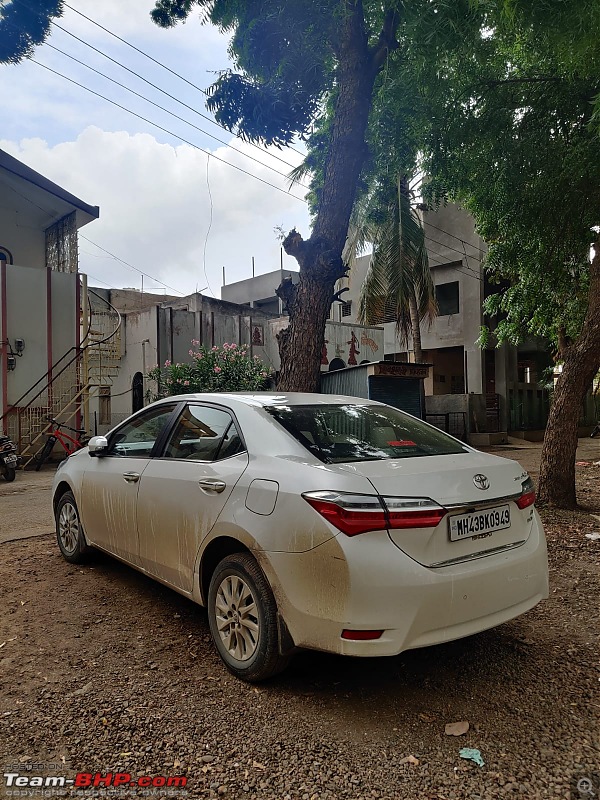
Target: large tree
<point x="299" y="67"/>
<point x="513" y="136"/>
<point x="24" y="25"/>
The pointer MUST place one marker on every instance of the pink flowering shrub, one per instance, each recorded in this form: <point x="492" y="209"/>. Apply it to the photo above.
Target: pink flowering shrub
<point x="229" y="368"/>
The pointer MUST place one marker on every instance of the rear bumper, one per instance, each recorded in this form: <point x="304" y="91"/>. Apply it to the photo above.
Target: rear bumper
<point x="367" y="583"/>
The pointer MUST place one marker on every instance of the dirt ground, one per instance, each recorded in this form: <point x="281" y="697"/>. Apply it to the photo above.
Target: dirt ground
<point x="103" y="670"/>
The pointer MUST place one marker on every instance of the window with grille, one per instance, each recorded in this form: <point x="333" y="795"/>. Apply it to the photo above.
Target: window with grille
<point x="383" y="310"/>
<point x="347" y="308"/>
<point x="446" y="295"/>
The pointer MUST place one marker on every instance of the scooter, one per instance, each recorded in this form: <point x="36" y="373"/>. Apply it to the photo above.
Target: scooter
<point x="8" y="459"/>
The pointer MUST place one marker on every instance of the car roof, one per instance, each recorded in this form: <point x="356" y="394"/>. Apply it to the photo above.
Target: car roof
<point x="263" y="399"/>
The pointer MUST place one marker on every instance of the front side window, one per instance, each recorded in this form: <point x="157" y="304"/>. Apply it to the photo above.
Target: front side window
<point x="342" y="433"/>
<point x="136" y="438"/>
<point x="203" y="433"/>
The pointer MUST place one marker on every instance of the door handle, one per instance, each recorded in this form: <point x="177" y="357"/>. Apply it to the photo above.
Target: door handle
<point x="131" y="477"/>
<point x="212" y="485"/>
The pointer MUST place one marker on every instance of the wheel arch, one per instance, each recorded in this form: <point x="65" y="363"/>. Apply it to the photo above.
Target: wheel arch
<point x="62" y="488"/>
<point x="215" y="552"/>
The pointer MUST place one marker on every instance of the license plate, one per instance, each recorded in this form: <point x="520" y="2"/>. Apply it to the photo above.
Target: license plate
<point x="463" y="526"/>
<point x="10" y="460"/>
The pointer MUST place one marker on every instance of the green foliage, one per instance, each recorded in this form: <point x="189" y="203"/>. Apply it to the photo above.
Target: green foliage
<point x="399" y="274"/>
<point x="284" y="62"/>
<point x="509" y="135"/>
<point x="23" y="27"/>
<point x="229" y="368"/>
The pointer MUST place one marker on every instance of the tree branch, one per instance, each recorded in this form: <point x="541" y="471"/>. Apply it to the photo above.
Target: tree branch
<point x="387" y="39"/>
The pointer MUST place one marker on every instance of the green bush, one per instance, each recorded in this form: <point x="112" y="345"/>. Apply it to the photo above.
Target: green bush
<point x="229" y="368"/>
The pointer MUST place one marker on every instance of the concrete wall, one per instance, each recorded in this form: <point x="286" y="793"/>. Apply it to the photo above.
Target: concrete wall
<point x="253" y="290"/>
<point x="338" y="338"/>
<point x="32" y="294"/>
<point x="21" y="235"/>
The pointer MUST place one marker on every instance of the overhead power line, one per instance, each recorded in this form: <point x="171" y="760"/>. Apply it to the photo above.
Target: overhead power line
<point x="168" y="69"/>
<point x="171" y="113"/>
<point x="454" y="236"/>
<point x="141" y="77"/>
<point x="127" y="264"/>
<point x="166" y="130"/>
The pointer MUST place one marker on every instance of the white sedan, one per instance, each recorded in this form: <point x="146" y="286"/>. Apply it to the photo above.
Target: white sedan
<point x="308" y="521"/>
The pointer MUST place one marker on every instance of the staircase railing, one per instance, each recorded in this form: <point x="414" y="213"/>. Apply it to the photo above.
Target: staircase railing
<point x="66" y="390"/>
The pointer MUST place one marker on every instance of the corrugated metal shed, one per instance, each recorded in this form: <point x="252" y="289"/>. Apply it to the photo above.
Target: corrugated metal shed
<point x="396" y="383"/>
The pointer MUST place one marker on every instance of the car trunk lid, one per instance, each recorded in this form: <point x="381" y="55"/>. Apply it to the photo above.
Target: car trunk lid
<point x="478" y="492"/>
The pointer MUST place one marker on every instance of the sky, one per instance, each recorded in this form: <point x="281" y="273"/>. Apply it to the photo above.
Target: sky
<point x="166" y="207"/>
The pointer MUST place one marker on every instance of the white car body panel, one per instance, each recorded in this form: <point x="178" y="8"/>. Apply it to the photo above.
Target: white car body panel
<point x="416" y="585"/>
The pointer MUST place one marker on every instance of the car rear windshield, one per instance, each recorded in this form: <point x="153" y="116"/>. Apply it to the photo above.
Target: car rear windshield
<point x="341" y="433"/>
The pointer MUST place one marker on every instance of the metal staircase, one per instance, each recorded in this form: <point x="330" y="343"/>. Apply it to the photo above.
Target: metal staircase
<point x="65" y="391"/>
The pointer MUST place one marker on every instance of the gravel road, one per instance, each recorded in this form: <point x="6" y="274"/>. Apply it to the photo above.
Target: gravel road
<point x="102" y="670"/>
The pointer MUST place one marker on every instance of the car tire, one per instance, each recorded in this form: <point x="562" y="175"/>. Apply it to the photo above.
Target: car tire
<point x="69" y="531"/>
<point x="242" y="615"/>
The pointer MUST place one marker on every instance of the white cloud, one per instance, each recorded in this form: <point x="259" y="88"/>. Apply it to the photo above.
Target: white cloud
<point x="155" y="207"/>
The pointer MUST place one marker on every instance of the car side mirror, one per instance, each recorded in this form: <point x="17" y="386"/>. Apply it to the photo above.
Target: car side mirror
<point x="97" y="445"/>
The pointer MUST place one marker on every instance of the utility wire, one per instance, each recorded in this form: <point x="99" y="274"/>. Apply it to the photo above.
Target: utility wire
<point x="127" y="264"/>
<point x="171" y="113"/>
<point x="210" y="222"/>
<point x="165" y="130"/>
<point x="172" y="71"/>
<point x="448" y="247"/>
<point x="453" y="236"/>
<point x="141" y="77"/>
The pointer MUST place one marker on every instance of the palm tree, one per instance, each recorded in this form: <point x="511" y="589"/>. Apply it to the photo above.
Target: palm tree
<point x="398" y="282"/>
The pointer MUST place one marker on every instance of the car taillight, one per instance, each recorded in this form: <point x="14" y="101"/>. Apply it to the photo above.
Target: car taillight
<point x="359" y="513"/>
<point x="528" y="497"/>
<point x="350" y="513"/>
<point x="413" y="512"/>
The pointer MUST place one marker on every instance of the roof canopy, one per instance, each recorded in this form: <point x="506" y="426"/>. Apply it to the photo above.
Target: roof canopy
<point x="39" y="197"/>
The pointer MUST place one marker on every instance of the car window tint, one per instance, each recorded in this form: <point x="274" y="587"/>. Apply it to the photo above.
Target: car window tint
<point x="201" y="433"/>
<point x="136" y="438"/>
<point x="342" y="433"/>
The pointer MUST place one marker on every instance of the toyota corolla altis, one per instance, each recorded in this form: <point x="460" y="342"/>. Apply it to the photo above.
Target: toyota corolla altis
<point x="308" y="521"/>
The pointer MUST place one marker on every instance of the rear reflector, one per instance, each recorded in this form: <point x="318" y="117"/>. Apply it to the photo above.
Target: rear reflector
<point x="361" y="636"/>
<point x="359" y="513"/>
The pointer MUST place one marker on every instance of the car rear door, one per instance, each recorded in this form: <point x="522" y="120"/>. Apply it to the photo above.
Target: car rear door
<point x="108" y="501"/>
<point x="183" y="491"/>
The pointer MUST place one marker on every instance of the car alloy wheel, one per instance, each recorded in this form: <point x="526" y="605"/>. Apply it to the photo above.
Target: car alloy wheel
<point x="237" y="618"/>
<point x="69" y="531"/>
<point x="242" y="614"/>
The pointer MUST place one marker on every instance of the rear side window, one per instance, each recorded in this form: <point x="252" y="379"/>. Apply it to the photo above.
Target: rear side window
<point x="342" y="433"/>
<point x="204" y="433"/>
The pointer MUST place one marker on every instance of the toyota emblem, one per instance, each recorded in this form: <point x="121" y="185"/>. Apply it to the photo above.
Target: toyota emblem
<point x="481" y="482"/>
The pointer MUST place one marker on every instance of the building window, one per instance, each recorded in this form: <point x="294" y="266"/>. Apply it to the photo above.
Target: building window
<point x="446" y="295"/>
<point x="5" y="256"/>
<point x="104" y="406"/>
<point x="137" y="392"/>
<point x="347" y="308"/>
<point x="383" y="310"/>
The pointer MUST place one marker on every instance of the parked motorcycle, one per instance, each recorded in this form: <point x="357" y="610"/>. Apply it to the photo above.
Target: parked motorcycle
<point x="596" y="431"/>
<point x="8" y="459"/>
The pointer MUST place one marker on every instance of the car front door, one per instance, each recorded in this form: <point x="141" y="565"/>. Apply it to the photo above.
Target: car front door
<point x="108" y="503"/>
<point x="183" y="491"/>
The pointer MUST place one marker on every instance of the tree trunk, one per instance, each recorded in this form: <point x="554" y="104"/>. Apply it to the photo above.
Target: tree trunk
<point x="415" y="326"/>
<point x="581" y="361"/>
<point x="320" y="257"/>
